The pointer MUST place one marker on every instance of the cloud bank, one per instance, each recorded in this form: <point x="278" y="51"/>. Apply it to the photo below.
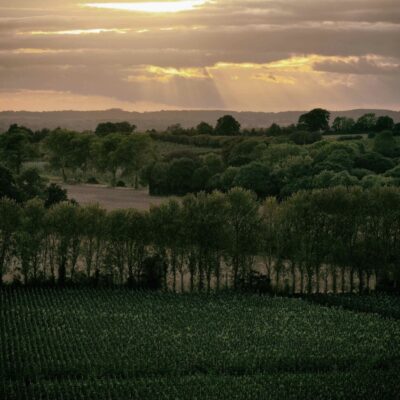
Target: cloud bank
<point x="266" y="55"/>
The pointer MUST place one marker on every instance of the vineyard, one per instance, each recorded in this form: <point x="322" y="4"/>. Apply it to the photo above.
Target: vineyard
<point x="122" y="344"/>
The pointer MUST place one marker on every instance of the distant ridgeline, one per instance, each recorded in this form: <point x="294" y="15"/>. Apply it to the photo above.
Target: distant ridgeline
<point x="88" y="120"/>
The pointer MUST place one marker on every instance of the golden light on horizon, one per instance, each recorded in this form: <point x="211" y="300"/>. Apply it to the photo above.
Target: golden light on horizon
<point x="151" y="7"/>
<point x="76" y="32"/>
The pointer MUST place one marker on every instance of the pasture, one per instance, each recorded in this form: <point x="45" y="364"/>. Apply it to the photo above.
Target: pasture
<point x="121" y="344"/>
<point x="113" y="198"/>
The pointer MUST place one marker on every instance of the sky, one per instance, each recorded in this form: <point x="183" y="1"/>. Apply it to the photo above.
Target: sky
<point x="245" y="55"/>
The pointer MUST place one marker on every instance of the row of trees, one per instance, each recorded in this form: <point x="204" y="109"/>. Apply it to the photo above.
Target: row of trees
<point x="316" y="120"/>
<point x="333" y="239"/>
<point x="29" y="185"/>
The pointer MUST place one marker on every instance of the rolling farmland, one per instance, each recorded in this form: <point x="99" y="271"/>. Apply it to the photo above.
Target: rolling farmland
<point x="112" y="344"/>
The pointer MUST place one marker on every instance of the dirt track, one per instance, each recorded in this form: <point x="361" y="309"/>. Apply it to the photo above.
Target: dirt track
<point x="113" y="198"/>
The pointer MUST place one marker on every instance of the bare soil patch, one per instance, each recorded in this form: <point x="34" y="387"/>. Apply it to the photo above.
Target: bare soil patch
<point x="113" y="198"/>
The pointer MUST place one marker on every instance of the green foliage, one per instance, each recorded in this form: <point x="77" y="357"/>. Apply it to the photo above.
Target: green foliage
<point x="120" y="344"/>
<point x="386" y="144"/>
<point x="206" y="141"/>
<point x="384" y="123"/>
<point x="203" y="128"/>
<point x="31" y="184"/>
<point x="127" y="154"/>
<point x="257" y="177"/>
<point x="60" y="148"/>
<point x="9" y="220"/>
<point x="15" y="148"/>
<point x="243" y="152"/>
<point x="315" y="121"/>
<point x="343" y="125"/>
<point x="374" y="162"/>
<point x="376" y="303"/>
<point x="227" y="126"/>
<point x="366" y="123"/>
<point x="304" y="137"/>
<point x="108" y="128"/>
<point x="179" y="175"/>
<point x="8" y="186"/>
<point x="54" y="194"/>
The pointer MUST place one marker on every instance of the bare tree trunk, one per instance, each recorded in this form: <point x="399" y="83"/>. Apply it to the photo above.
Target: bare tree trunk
<point x="301" y="279"/>
<point x="173" y="262"/>
<point x="343" y="279"/>
<point x="317" y="278"/>
<point x="192" y="270"/>
<point x="182" y="282"/>
<point x="326" y="275"/>
<point x="218" y="272"/>
<point x="309" y="281"/>
<point x="200" y="283"/>
<point x="235" y="270"/>
<point x="293" y="269"/>
<point x="64" y="175"/>
<point x="334" y="279"/>
<point x="360" y="281"/>
<point x="368" y="281"/>
<point x="351" y="280"/>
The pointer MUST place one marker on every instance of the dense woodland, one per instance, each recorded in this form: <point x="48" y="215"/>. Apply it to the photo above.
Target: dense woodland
<point x="282" y="209"/>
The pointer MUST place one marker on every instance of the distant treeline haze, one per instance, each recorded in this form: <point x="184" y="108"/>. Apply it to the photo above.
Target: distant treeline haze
<point x="337" y="240"/>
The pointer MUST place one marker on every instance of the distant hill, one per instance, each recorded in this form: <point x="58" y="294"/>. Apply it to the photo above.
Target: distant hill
<point x="88" y="120"/>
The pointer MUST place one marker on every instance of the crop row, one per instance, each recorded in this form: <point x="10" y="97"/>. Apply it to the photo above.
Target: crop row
<point x="49" y="334"/>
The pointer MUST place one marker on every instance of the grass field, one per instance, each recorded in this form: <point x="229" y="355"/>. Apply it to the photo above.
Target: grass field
<point x="166" y="148"/>
<point x="118" y="344"/>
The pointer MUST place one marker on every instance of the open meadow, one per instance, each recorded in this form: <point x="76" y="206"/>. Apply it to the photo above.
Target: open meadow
<point x="121" y="344"/>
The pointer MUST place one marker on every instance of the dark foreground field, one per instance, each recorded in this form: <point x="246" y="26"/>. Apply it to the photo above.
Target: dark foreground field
<point x="117" y="344"/>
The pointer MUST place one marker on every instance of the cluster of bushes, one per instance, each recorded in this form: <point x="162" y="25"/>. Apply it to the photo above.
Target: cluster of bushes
<point x="197" y="140"/>
<point x="29" y="185"/>
<point x="112" y="151"/>
<point x="338" y="235"/>
<point x="279" y="169"/>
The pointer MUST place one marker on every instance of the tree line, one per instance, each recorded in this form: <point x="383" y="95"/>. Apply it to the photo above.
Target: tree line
<point x="309" y="125"/>
<point x="336" y="239"/>
<point x="112" y="150"/>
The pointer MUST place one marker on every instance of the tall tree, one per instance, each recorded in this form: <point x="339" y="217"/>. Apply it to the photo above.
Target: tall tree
<point x="203" y="128"/>
<point x="343" y="124"/>
<point x="316" y="120"/>
<point x="385" y="144"/>
<point x="29" y="239"/>
<point x="227" y="126"/>
<point x="59" y="145"/>
<point x="9" y="220"/>
<point x="243" y="225"/>
<point x="384" y="123"/>
<point x="366" y="123"/>
<point x="15" y="148"/>
<point x="93" y="232"/>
